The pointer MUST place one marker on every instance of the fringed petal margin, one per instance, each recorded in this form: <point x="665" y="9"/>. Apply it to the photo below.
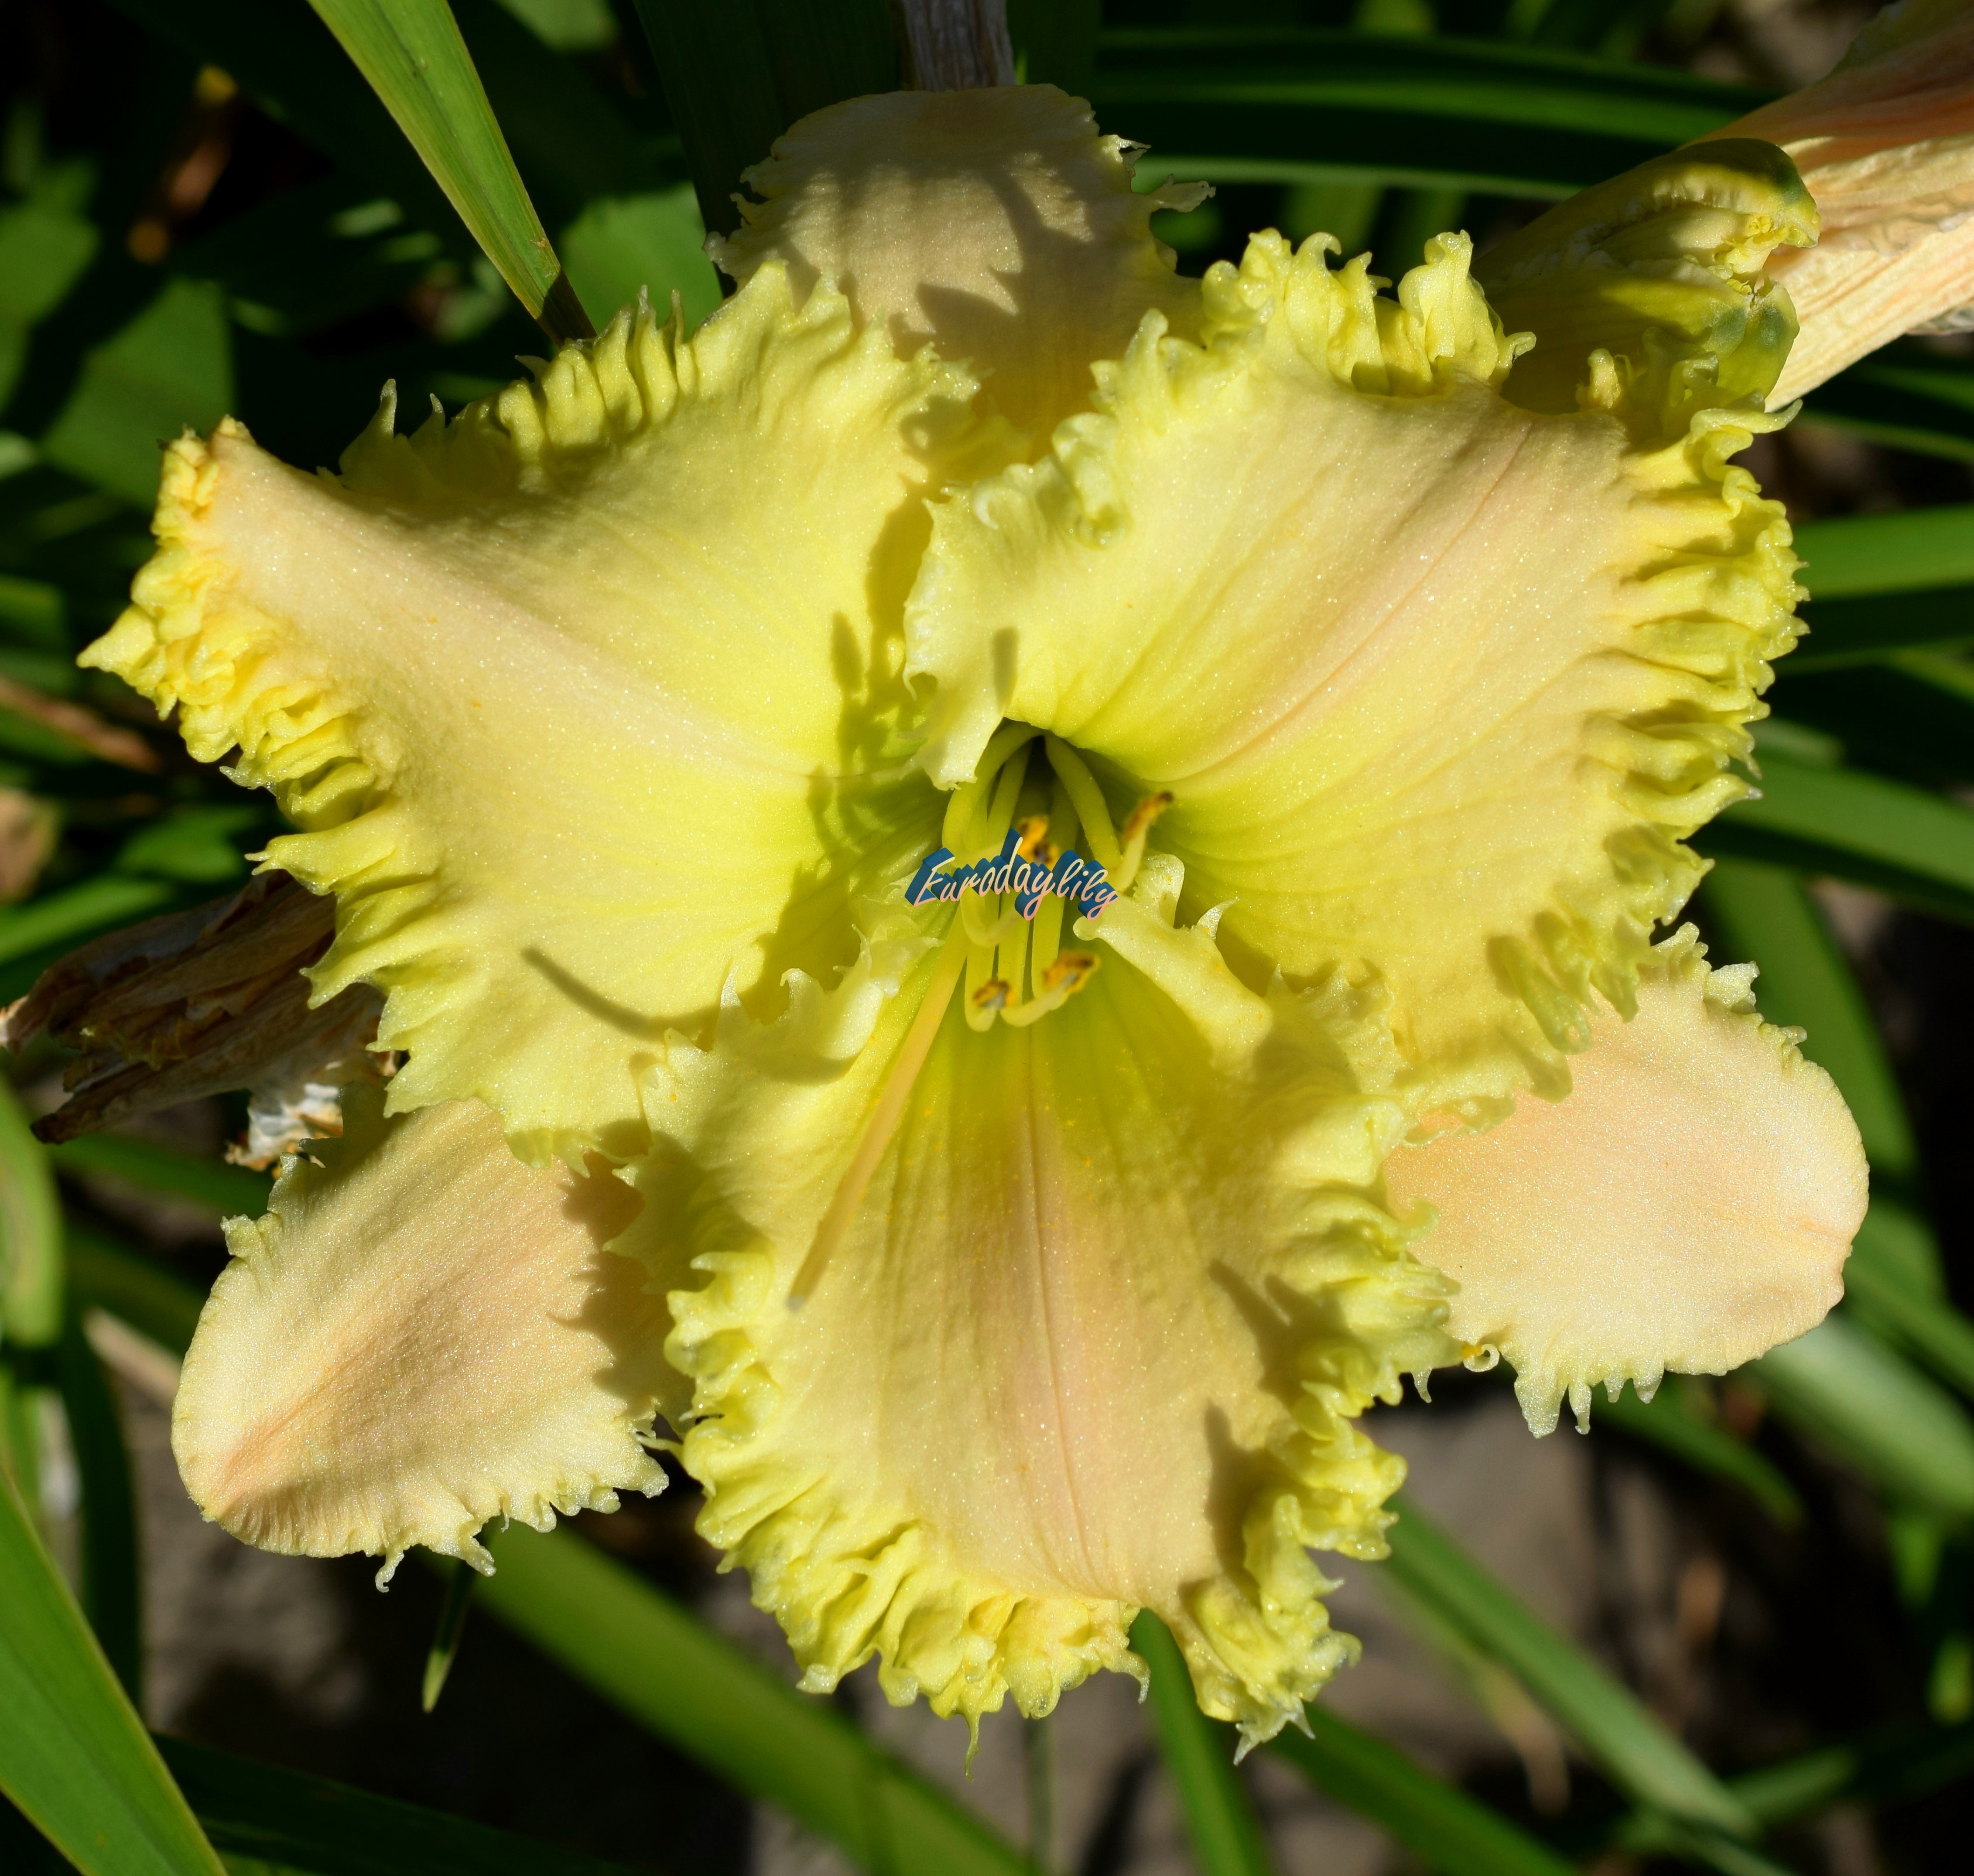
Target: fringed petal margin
<point x="1095" y="1340"/>
<point x="582" y="700"/>
<point x="1689" y="1206"/>
<point x="1439" y="684"/>
<point x="422" y="1334"/>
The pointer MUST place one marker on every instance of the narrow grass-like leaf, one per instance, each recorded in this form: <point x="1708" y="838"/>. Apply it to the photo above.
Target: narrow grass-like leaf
<point x="444" y="1649"/>
<point x="1832" y="819"/>
<point x="411" y="53"/>
<point x="159" y="1303"/>
<point x="1438" y="1823"/>
<point x="78" y="912"/>
<point x="232" y="1190"/>
<point x="292" y="1820"/>
<point x="1055" y="42"/>
<point x="31" y="1259"/>
<point x="1909" y="713"/>
<point x="1199" y="1756"/>
<point x="112" y="1588"/>
<point x="1632" y="1745"/>
<point x="1666" y="1422"/>
<point x="1906" y="396"/>
<point x="1476" y="115"/>
<point x="1845" y="632"/>
<point x="670" y="1673"/>
<point x="1876" y="1411"/>
<point x="73" y="1755"/>
<point x="1766" y="913"/>
<point x="1898" y="552"/>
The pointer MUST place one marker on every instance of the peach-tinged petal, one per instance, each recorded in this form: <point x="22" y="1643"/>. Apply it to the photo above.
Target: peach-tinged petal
<point x="1886" y="144"/>
<point x="1689" y="1206"/>
<point x="422" y="1334"/>
<point x="997" y="224"/>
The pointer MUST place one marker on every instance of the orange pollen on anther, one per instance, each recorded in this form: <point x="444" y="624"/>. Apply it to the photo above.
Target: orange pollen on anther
<point x="1146" y="811"/>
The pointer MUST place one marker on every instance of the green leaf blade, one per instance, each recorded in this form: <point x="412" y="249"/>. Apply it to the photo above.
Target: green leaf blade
<point x="1633" y="1747"/>
<point x="671" y="1674"/>
<point x="73" y="1755"/>
<point x="412" y="54"/>
<point x="1446" y="1829"/>
<point x="1199" y="1755"/>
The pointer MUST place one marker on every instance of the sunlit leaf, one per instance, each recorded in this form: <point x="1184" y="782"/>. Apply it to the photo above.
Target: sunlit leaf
<point x="1630" y="1744"/>
<point x="44" y="245"/>
<point x="73" y="1755"/>
<point x="412" y="55"/>
<point x="621" y="243"/>
<point x="670" y="1673"/>
<point x="1199" y="1756"/>
<point x="66" y="917"/>
<point x="106" y="1275"/>
<point x="31" y="1265"/>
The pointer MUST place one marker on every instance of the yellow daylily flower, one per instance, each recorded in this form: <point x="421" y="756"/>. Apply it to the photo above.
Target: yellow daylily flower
<point x="1886" y="145"/>
<point x="1313" y="687"/>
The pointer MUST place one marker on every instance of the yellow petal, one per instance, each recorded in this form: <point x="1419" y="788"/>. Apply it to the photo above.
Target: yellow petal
<point x="1093" y="1341"/>
<point x="997" y="224"/>
<point x="1886" y="144"/>
<point x="1689" y="1206"/>
<point x="422" y="1334"/>
<point x="567" y="694"/>
<point x="1438" y="683"/>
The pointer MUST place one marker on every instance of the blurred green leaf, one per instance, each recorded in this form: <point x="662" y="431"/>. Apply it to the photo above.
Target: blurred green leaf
<point x="1909" y="713"/>
<point x="112" y="1590"/>
<point x="737" y="73"/>
<point x="199" y="844"/>
<point x="669" y="1672"/>
<point x="1766" y="913"/>
<point x="447" y="1636"/>
<point x="1631" y="1745"/>
<point x="1894" y="1282"/>
<point x="1852" y="825"/>
<point x="232" y="1190"/>
<point x="411" y="53"/>
<point x="108" y="1275"/>
<point x="31" y="1262"/>
<point x="1055" y="42"/>
<point x="44" y="247"/>
<point x="620" y="244"/>
<point x="34" y="611"/>
<point x="1198" y="1755"/>
<point x="1899" y="552"/>
<point x="1907" y="396"/>
<point x="1668" y="1422"/>
<point x="568" y="25"/>
<point x="1876" y="1412"/>
<point x="78" y="912"/>
<point x="1437" y="1823"/>
<point x="1237" y="104"/>
<point x="73" y="1755"/>
<point x="170" y="368"/>
<point x="293" y="1820"/>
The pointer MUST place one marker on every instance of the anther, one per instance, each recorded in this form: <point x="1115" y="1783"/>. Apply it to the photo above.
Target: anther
<point x="991" y="995"/>
<point x="1138" y="822"/>
<point x="1033" y="831"/>
<point x="1070" y="972"/>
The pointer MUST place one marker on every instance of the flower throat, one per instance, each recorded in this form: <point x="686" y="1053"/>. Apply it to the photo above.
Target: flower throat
<point x="1012" y="874"/>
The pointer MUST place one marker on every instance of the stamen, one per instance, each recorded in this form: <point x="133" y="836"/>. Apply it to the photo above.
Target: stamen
<point x="883" y="1121"/>
<point x="1061" y="981"/>
<point x="1137" y="825"/>
<point x="1034" y="830"/>
<point x="967" y="798"/>
<point x="991" y="995"/>
<point x="1091" y="809"/>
